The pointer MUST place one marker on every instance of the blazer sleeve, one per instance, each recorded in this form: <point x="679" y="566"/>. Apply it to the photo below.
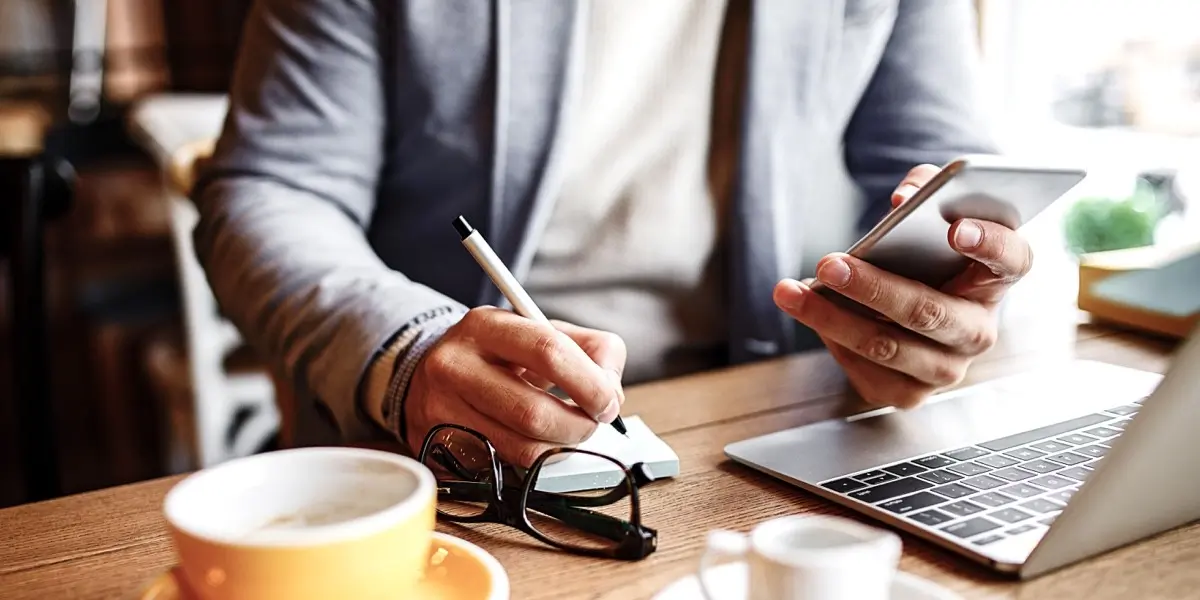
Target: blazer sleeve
<point x="923" y="103"/>
<point x="286" y="198"/>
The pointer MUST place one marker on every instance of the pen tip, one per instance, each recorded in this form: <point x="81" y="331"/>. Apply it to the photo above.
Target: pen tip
<point x="619" y="425"/>
<point x="463" y="228"/>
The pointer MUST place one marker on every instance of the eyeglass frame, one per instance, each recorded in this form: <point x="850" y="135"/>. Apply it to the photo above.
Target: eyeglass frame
<point x="508" y="505"/>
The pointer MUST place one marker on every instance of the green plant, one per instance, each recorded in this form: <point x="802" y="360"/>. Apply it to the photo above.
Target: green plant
<point x="1097" y="224"/>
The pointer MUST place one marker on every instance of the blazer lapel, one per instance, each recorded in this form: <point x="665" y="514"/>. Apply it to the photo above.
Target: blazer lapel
<point x="789" y="41"/>
<point x="534" y="70"/>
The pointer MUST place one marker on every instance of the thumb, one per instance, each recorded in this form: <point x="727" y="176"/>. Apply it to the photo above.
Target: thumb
<point x="605" y="348"/>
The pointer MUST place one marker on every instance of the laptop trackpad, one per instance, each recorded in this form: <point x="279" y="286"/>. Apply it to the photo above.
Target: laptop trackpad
<point x="831" y="449"/>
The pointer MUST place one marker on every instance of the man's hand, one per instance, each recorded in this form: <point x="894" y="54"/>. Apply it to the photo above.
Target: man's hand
<point x="490" y="372"/>
<point x="933" y="334"/>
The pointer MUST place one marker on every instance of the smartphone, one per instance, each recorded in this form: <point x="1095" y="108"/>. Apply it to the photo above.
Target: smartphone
<point x="913" y="240"/>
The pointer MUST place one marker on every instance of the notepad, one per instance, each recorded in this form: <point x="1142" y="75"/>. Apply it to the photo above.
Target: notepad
<point x="584" y="472"/>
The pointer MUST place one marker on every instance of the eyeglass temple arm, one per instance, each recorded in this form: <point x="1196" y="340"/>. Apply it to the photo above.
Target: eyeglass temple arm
<point x="473" y="491"/>
<point x="554" y="505"/>
<point x="592" y="522"/>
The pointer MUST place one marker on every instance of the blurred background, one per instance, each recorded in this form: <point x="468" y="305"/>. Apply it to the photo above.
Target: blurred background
<point x="114" y="365"/>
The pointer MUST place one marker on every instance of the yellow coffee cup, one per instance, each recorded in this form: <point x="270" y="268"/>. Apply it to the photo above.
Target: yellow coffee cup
<point x="310" y="523"/>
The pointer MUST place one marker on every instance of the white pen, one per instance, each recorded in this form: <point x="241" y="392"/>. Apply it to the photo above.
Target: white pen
<point x="508" y="284"/>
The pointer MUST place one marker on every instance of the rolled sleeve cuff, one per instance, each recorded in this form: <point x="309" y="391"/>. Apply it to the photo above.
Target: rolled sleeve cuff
<point x="393" y="369"/>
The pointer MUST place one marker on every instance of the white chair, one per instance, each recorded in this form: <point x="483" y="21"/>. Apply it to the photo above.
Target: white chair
<point x="216" y="414"/>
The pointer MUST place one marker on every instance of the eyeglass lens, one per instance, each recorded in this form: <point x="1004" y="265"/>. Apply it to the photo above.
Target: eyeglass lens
<point x="463" y="468"/>
<point x="590" y="519"/>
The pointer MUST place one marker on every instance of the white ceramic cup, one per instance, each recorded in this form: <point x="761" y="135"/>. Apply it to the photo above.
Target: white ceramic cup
<point x="809" y="558"/>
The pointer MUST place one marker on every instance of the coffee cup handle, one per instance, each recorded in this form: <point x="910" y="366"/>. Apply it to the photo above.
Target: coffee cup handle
<point x="721" y="544"/>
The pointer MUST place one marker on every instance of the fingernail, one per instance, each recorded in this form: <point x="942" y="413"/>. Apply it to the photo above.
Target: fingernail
<point x="834" y="272"/>
<point x="905" y="191"/>
<point x="968" y="235"/>
<point x="790" y="293"/>
<point x="610" y="412"/>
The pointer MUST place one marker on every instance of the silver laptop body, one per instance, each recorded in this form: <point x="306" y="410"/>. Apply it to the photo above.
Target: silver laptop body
<point x="1023" y="474"/>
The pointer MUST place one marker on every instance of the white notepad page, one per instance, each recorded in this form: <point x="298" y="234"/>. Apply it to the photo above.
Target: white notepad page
<point x="583" y="472"/>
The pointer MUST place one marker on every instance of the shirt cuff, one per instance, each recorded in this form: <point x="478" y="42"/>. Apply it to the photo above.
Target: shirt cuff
<point x="390" y="374"/>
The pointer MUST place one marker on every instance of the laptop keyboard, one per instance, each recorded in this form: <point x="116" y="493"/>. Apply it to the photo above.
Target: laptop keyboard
<point x="1004" y="487"/>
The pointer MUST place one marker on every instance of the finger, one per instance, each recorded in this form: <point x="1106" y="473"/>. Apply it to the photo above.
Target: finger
<point x="962" y="325"/>
<point x="1003" y="255"/>
<point x="548" y="352"/>
<point x="510" y="445"/>
<point x="606" y="349"/>
<point x="878" y="385"/>
<point x="917" y="177"/>
<point x="880" y="343"/>
<point x="497" y="392"/>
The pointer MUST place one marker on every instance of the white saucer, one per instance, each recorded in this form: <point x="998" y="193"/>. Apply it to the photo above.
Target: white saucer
<point x="728" y="582"/>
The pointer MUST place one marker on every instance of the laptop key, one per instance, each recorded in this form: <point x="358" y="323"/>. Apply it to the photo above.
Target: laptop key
<point x="1119" y="425"/>
<point x="963" y="508"/>
<point x="890" y="490"/>
<point x="1123" y="410"/>
<point x="1042" y="505"/>
<point x="968" y="469"/>
<point x="933" y="462"/>
<point x="1103" y="432"/>
<point x="940" y="476"/>
<point x="1021" y="529"/>
<point x="1052" y="482"/>
<point x="1024" y="453"/>
<point x="971" y="527"/>
<point x="931" y="517"/>
<point x="1093" y="451"/>
<point x="997" y="461"/>
<point x="908" y="504"/>
<point x="992" y="499"/>
<point x="878" y="479"/>
<point x="1022" y="490"/>
<point x="1048" y="520"/>
<point x="1010" y="515"/>
<point x="1050" y="446"/>
<point x="843" y="485"/>
<point x="869" y="475"/>
<point x="1068" y="458"/>
<point x="1077" y="473"/>
<point x="1041" y="466"/>
<point x="987" y="539"/>
<point x="1013" y="474"/>
<point x="1076" y="439"/>
<point x="953" y="491"/>
<point x="965" y="453"/>
<point x="904" y="469"/>
<point x="1033" y="435"/>
<point x="984" y="482"/>
<point x="1062" y="495"/>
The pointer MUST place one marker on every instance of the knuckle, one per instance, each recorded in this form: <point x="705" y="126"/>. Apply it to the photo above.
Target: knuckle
<point x="549" y="347"/>
<point x="982" y="340"/>
<point x="947" y="373"/>
<point x="874" y="292"/>
<point x="535" y="420"/>
<point x="880" y="347"/>
<point x="927" y="314"/>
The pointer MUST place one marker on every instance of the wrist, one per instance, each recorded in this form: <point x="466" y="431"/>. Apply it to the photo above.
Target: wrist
<point x="421" y="336"/>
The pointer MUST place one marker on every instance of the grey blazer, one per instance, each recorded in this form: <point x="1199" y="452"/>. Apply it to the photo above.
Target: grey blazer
<point x="359" y="128"/>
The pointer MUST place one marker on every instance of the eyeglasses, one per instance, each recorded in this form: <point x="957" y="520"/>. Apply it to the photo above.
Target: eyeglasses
<point x="603" y="522"/>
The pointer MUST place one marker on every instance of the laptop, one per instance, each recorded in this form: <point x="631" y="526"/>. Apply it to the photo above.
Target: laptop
<point x="1024" y="474"/>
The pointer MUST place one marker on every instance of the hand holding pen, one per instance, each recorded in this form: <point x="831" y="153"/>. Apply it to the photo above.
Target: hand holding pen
<point x="512" y="289"/>
<point x="478" y="374"/>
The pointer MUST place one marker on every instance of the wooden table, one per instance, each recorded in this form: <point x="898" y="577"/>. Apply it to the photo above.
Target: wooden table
<point x="110" y="543"/>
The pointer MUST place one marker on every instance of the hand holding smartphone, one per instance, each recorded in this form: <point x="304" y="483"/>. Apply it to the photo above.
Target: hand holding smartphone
<point x="911" y="241"/>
